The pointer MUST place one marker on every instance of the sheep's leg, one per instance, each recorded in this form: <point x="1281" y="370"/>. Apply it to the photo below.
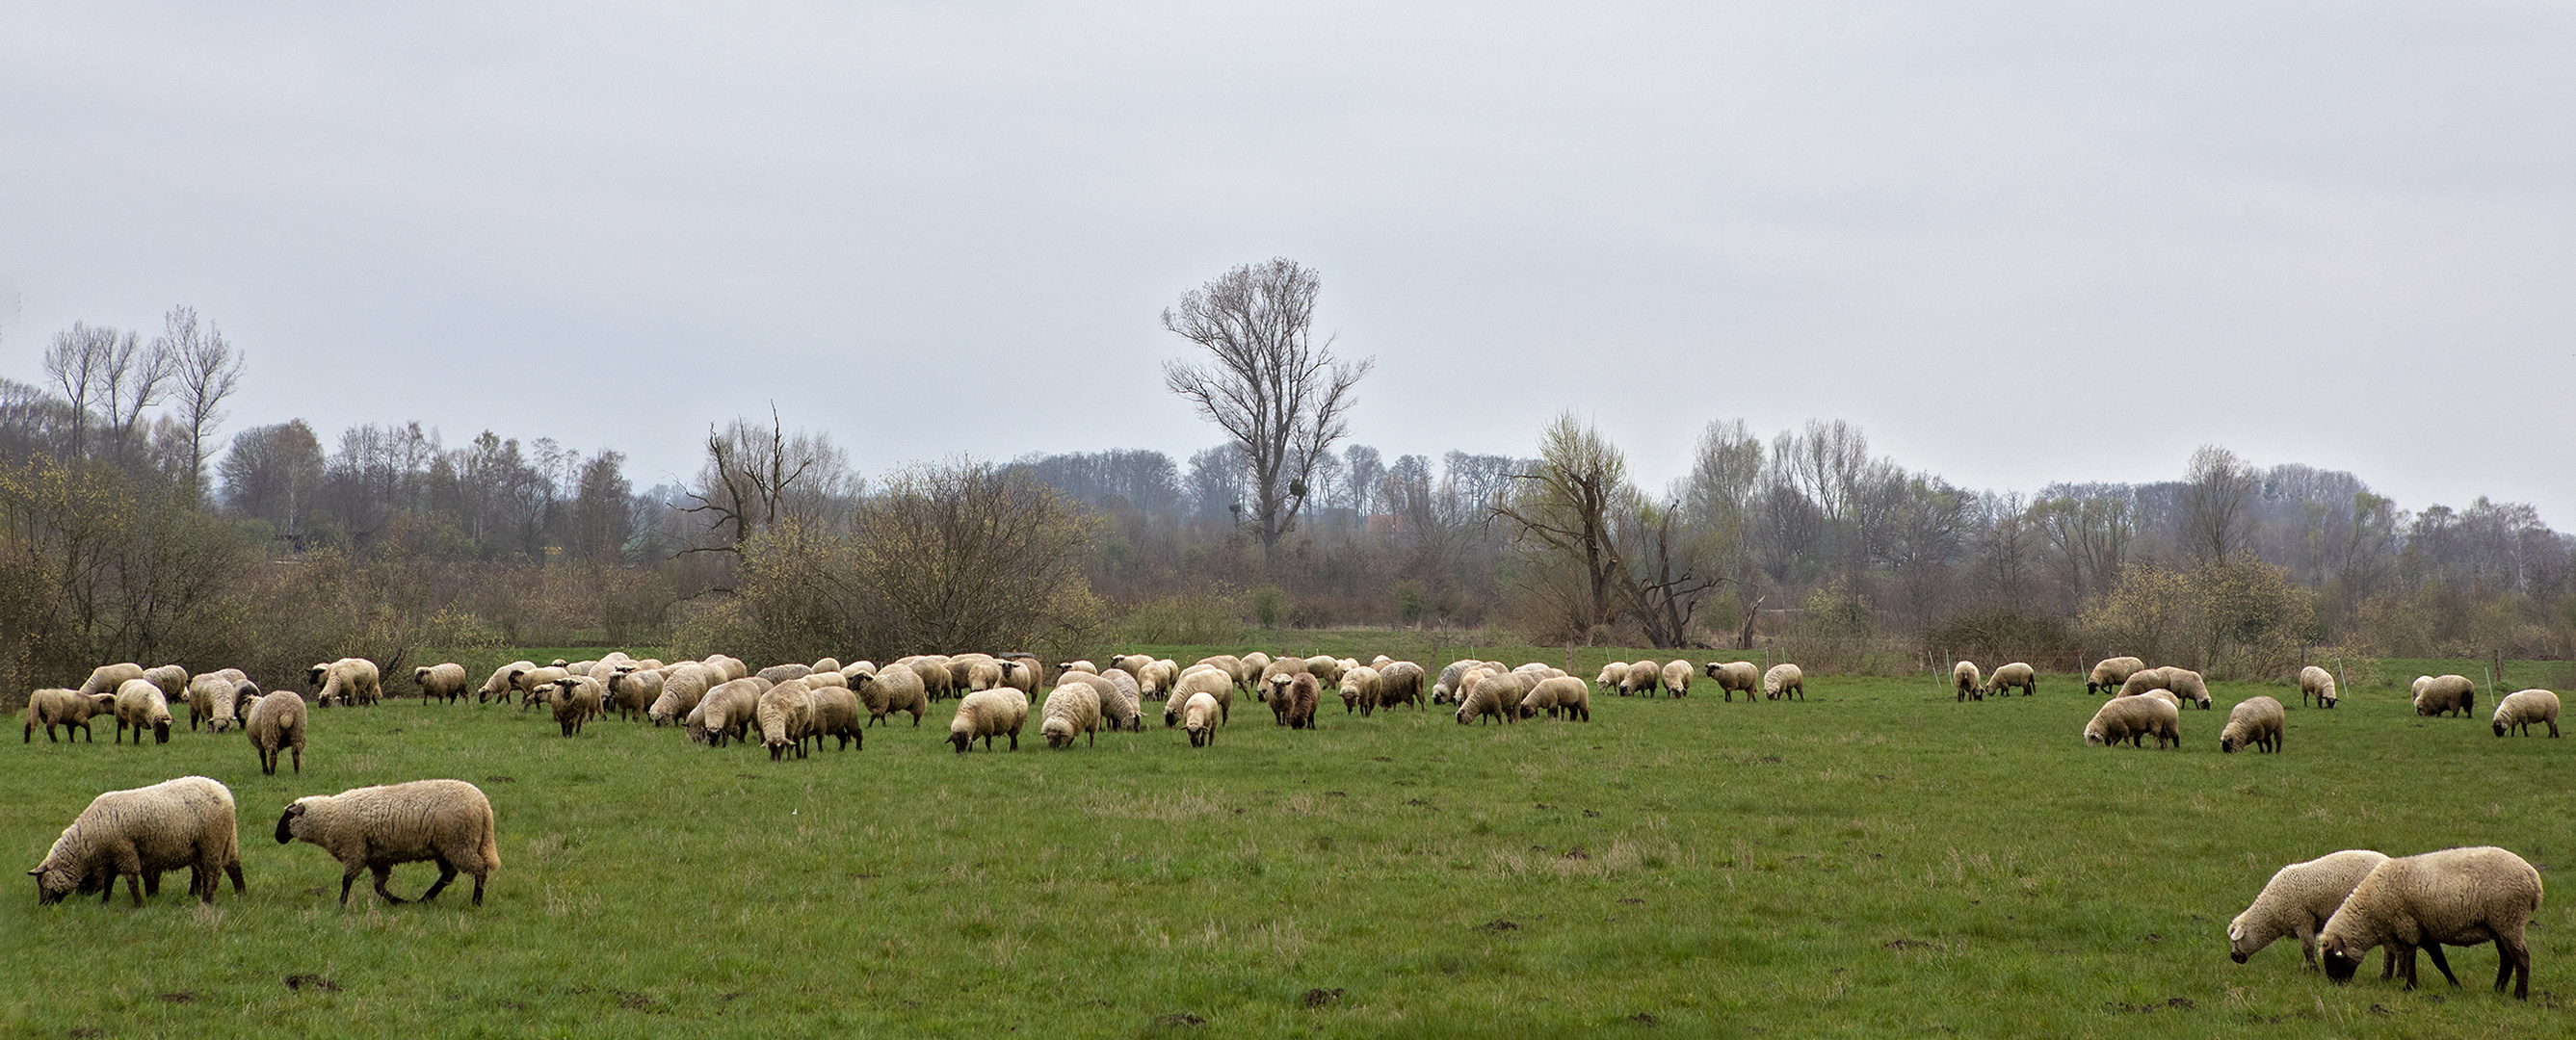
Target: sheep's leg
<point x="346" y="878"/>
<point x="446" y="873"/>
<point x="2435" y="950"/>
<point x="2307" y="932"/>
<point x="299" y="763"/>
<point x="384" y="873"/>
<point x="152" y="883"/>
<point x="232" y="870"/>
<point x="478" y="888"/>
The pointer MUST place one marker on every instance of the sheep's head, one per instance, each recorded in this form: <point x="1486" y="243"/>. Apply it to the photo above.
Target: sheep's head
<point x="2339" y="962"/>
<point x="2240" y="941"/>
<point x="2230" y="742"/>
<point x="960" y="738"/>
<point x="2094" y="737"/>
<point x="55" y="880"/>
<point x="286" y="822"/>
<point x="313" y="675"/>
<point x="2501" y="726"/>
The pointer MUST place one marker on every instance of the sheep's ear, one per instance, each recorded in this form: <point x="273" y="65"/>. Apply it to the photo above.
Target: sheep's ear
<point x="2235" y="932"/>
<point x="38" y="872"/>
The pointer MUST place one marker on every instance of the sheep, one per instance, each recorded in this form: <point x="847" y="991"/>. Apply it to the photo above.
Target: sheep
<point x="2256" y="721"/>
<point x="2518" y="710"/>
<point x="1200" y="717"/>
<point x="1451" y="686"/>
<point x="633" y="694"/>
<point x="136" y="834"/>
<point x="1132" y="664"/>
<point x="727" y="711"/>
<point x="893" y="690"/>
<point x="1782" y="681"/>
<point x="349" y="680"/>
<point x="2297" y="901"/>
<point x="2455" y="897"/>
<point x="107" y="678"/>
<point x="210" y="700"/>
<point x="836" y="714"/>
<point x="440" y="681"/>
<point x="577" y="699"/>
<point x="1255" y="665"/>
<point x="1326" y="669"/>
<point x="1020" y="672"/>
<point x="732" y="668"/>
<point x="932" y="669"/>
<point x="2141" y="681"/>
<point x="988" y="714"/>
<point x="2110" y="673"/>
<point x="1121" y="705"/>
<point x="276" y="723"/>
<point x="1157" y="677"/>
<point x="1732" y="676"/>
<point x="1072" y="709"/>
<point x="141" y="705"/>
<point x="2444" y="695"/>
<point x="786" y="716"/>
<point x="2012" y="675"/>
<point x="1491" y="695"/>
<point x="2166" y="696"/>
<point x="1563" y="694"/>
<point x="447" y="822"/>
<point x="1217" y="683"/>
<point x="1399" y="682"/>
<point x="2318" y="682"/>
<point x="504" y="680"/>
<point x="1274" y="692"/>
<point x="1642" y="677"/>
<point x="535" y="683"/>
<point x="828" y="664"/>
<point x="1677" y="678"/>
<point x="2131" y="719"/>
<point x="779" y="673"/>
<point x="962" y="671"/>
<point x="2187" y="685"/>
<point x="66" y="708"/>
<point x="682" y="687"/>
<point x="1304" y="693"/>
<point x="1611" y="674"/>
<point x="1359" y="690"/>
<point x="1964" y="676"/>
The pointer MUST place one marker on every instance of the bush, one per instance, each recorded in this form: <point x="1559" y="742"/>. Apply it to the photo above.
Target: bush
<point x="1187" y="618"/>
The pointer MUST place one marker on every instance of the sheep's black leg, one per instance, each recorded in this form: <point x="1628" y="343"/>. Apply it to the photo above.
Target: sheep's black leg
<point x="383" y="874"/>
<point x="299" y="763"/>
<point x="2435" y="950"/>
<point x="233" y="870"/>
<point x="346" y="878"/>
<point x="152" y="883"/>
<point x="446" y="873"/>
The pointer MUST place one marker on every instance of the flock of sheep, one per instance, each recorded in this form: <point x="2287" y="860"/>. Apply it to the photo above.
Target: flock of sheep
<point x="2148" y="702"/>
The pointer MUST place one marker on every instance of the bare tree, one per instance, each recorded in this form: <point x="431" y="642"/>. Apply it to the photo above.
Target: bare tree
<point x="2217" y="504"/>
<point x="79" y="357"/>
<point x="207" y="371"/>
<point x="755" y="478"/>
<point x="1568" y="503"/>
<point x="1282" y="397"/>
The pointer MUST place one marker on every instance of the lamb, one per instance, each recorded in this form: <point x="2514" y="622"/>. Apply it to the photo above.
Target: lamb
<point x="988" y="714"/>
<point x="577" y="700"/>
<point x="786" y="716"/>
<point x="2455" y="897"/>
<point x="504" y="680"/>
<point x="1784" y="680"/>
<point x="893" y="690"/>
<point x="2445" y="695"/>
<point x="141" y="705"/>
<point x="633" y="694"/>
<point x="727" y="711"/>
<point x="1217" y="683"/>
<point x="2256" y="721"/>
<point x="2297" y="901"/>
<point x="2131" y="719"/>
<point x="1491" y="695"/>
<point x="2110" y="673"/>
<point x="447" y="822"/>
<point x="2318" y="682"/>
<point x="1072" y="709"/>
<point x="1200" y="717"/>
<point x="211" y="700"/>
<point x="1563" y="694"/>
<point x="1964" y="676"/>
<point x="440" y="681"/>
<point x="136" y="834"/>
<point x="1304" y="693"/>
<point x="349" y="680"/>
<point x="66" y="708"/>
<point x="276" y="723"/>
<point x="2518" y="710"/>
<point x="1399" y="682"/>
<point x="1359" y="690"/>
<point x="2012" y="675"/>
<point x="682" y="687"/>
<point x="1642" y="677"/>
<point x="836" y="714"/>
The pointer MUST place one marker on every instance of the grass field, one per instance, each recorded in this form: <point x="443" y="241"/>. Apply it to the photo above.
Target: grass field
<point x="1877" y="861"/>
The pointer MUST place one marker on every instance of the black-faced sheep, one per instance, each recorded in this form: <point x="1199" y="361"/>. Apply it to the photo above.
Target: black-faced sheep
<point x="447" y="822"/>
<point x="893" y="690"/>
<point x="1677" y="678"/>
<point x="2455" y="897"/>
<point x="2519" y="709"/>
<point x="137" y="834"/>
<point x="1963" y="675"/>
<point x="786" y="717"/>
<point x="1734" y="677"/>
<point x="988" y="714"/>
<point x="2256" y="721"/>
<point x="210" y="700"/>
<point x="1400" y="682"/>
<point x="2108" y="675"/>
<point x="577" y="700"/>
<point x="2013" y="675"/>
<point x="1200" y="718"/>
<point x="727" y="711"/>
<point x="276" y="723"/>
<point x="836" y="714"/>
<point x="140" y="705"/>
<point x="1491" y="695"/>
<point x="66" y="708"/>
<point x="1216" y="682"/>
<point x="1644" y="677"/>
<point x="2297" y="901"/>
<point x="2319" y="683"/>
<point x="1558" y="696"/>
<point x="632" y="694"/>
<point x="440" y="681"/>
<point x="683" y="685"/>
<point x="2445" y="694"/>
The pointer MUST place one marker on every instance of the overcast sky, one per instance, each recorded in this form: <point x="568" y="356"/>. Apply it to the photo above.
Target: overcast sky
<point x="2015" y="243"/>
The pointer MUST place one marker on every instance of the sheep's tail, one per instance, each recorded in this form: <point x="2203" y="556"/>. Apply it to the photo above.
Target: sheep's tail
<point x="491" y="842"/>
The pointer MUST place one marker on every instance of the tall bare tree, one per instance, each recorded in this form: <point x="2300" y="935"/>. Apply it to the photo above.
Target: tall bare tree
<point x="207" y="370"/>
<point x="1284" y="398"/>
<point x="1569" y="504"/>
<point x="2217" y="504"/>
<point x="755" y="478"/>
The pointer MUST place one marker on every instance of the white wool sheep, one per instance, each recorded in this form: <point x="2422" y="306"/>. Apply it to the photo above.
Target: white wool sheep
<point x="139" y="833"/>
<point x="447" y="822"/>
<point x="932" y="669"/>
<point x="633" y="694"/>
<point x="893" y="690"/>
<point x="2297" y="901"/>
<point x="962" y="670"/>
<point x="786" y="717"/>
<point x="1399" y="682"/>
<point x="349" y="680"/>
<point x="2016" y="674"/>
<point x="1216" y="682"/>
<point x="988" y="714"/>
<point x="577" y="700"/>
<point x="1733" y="676"/>
<point x="2110" y="673"/>
<point x="66" y="708"/>
<point x="1122" y="704"/>
<point x="2256" y="721"/>
<point x="1784" y="681"/>
<point x="2319" y="683"/>
<point x="212" y="700"/>
<point x="504" y="681"/>
<point x="1643" y="677"/>
<point x="1200" y="718"/>
<point x="2142" y="680"/>
<point x="1611" y="674"/>
<point x="682" y="687"/>
<point x="2519" y="709"/>
<point x="1963" y="675"/>
<point x="2444" y="695"/>
<point x="1493" y="695"/>
<point x="107" y="678"/>
<point x="2166" y="696"/>
<point x="1156" y="678"/>
<point x="836" y="714"/>
<point x="1072" y="710"/>
<point x="141" y="706"/>
<point x="1254" y="665"/>
<point x="828" y="664"/>
<point x="276" y="723"/>
<point x="1326" y="668"/>
<point x="2187" y="685"/>
<point x="732" y="668"/>
<point x="1452" y="685"/>
<point x="779" y="673"/>
<point x="440" y="681"/>
<point x="1359" y="690"/>
<point x="1305" y="694"/>
<point x="1677" y="678"/>
<point x="1020" y="672"/>
<point x="1129" y="663"/>
<point x="2455" y="897"/>
<point x="2132" y="719"/>
<point x="1084" y="667"/>
<point x="727" y="711"/>
<point x="1561" y="695"/>
<point x="536" y="684"/>
<point x="1231" y="665"/>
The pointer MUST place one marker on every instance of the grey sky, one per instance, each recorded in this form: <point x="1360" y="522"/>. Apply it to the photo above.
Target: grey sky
<point x="2014" y="243"/>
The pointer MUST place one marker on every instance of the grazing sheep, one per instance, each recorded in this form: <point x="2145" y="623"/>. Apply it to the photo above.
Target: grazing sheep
<point x="1562" y="695"/>
<point x="836" y="714"/>
<point x="1359" y="690"/>
<point x="1156" y="678"/>
<point x="136" y="834"/>
<point x="893" y="690"/>
<point x="2444" y="695"/>
<point x="1784" y="681"/>
<point x="1964" y="676"/>
<point x="1122" y="704"/>
<point x="1326" y="669"/>
<point x="1305" y="692"/>
<point x="2518" y="710"/>
<point x="1072" y="709"/>
<point x="1200" y="718"/>
<point x="1677" y="678"/>
<point x="682" y="687"/>
<point x="988" y="714"/>
<point x="786" y="716"/>
<point x="349" y="680"/>
<point x="2111" y="673"/>
<point x="275" y="723"/>
<point x="1452" y="685"/>
<point x="1492" y="695"/>
<point x="1611" y="674"/>
<point x="1255" y="664"/>
<point x="2187" y="685"/>
<point x="633" y="694"/>
<point x="1733" y="676"/>
<point x="2132" y="719"/>
<point x="210" y="700"/>
<point x="447" y="822"/>
<point x="1231" y="665"/>
<point x="779" y="673"/>
<point x="962" y="670"/>
<point x="577" y="700"/>
<point x="504" y="681"/>
<point x="536" y="683"/>
<point x="1643" y="677"/>
<point x="2166" y="696"/>
<point x="731" y="667"/>
<point x="66" y="708"/>
<point x="2297" y="901"/>
<point x="1400" y="682"/>
<point x="2254" y="720"/>
<point x="727" y="711"/>
<point x="108" y="678"/>
<point x="141" y="705"/>
<point x="2317" y="682"/>
<point x="2455" y="897"/>
<point x="2012" y="675"/>
<point x="1217" y="683"/>
<point x="2142" y="680"/>
<point x="440" y="681"/>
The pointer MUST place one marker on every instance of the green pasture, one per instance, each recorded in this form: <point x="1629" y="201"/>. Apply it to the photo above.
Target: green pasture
<point x="1877" y="861"/>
